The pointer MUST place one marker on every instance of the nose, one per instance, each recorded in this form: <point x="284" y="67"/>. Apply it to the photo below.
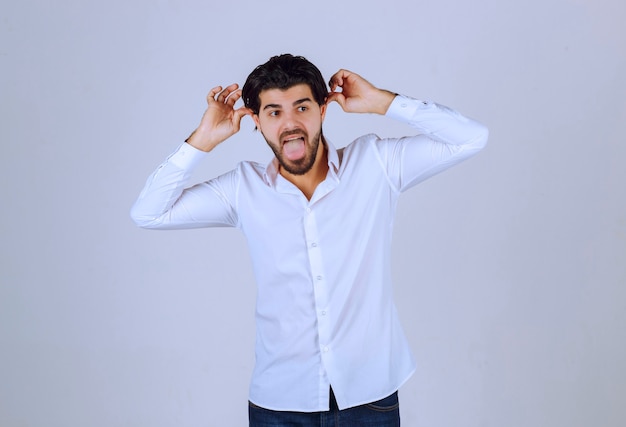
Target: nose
<point x="289" y="120"/>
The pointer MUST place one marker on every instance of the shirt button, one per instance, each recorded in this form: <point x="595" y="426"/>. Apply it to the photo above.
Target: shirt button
<point x="319" y="278"/>
<point x="323" y="313"/>
<point x="325" y="349"/>
<point x="314" y="245"/>
<point x="308" y="210"/>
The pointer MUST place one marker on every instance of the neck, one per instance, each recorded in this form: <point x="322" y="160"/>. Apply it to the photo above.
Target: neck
<point x="308" y="182"/>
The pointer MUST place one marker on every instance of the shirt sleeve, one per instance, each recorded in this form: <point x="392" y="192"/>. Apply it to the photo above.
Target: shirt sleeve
<point x="166" y="203"/>
<point x="445" y="138"/>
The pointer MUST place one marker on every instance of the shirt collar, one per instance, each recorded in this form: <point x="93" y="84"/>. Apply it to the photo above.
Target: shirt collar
<point x="271" y="170"/>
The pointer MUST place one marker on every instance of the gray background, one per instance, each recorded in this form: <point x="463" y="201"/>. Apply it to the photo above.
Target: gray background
<point x="509" y="269"/>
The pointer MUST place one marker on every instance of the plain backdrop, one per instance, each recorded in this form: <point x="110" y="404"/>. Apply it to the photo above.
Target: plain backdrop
<point x="509" y="270"/>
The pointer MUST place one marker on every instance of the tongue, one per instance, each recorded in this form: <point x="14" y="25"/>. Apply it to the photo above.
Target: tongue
<point x="294" y="149"/>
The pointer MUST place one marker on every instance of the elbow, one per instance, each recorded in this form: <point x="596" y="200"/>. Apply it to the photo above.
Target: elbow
<point x="141" y="219"/>
<point x="481" y="138"/>
<point x="477" y="141"/>
<point x="141" y="222"/>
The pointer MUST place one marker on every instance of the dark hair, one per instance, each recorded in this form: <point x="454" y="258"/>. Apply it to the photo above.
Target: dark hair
<point x="282" y="72"/>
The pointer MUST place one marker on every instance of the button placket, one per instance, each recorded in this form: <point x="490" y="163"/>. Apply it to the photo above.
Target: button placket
<point x="320" y="287"/>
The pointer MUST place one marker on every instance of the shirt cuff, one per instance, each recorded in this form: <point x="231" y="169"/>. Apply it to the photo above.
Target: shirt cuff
<point x="404" y="108"/>
<point x="187" y="157"/>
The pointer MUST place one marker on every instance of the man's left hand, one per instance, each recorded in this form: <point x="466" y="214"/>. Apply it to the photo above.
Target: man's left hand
<point x="357" y="94"/>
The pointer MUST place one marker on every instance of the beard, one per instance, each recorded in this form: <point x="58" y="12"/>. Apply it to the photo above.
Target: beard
<point x="303" y="164"/>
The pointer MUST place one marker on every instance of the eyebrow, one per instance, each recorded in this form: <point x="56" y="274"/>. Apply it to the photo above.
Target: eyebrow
<point x="298" y="102"/>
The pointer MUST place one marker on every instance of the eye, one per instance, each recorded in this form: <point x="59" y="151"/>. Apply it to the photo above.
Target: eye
<point x="273" y="113"/>
<point x="302" y="108"/>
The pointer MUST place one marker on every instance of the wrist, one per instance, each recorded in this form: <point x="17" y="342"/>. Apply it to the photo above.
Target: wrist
<point x="383" y="101"/>
<point x="201" y="140"/>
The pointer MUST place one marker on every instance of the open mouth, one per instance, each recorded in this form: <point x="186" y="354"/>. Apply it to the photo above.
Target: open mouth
<point x="294" y="147"/>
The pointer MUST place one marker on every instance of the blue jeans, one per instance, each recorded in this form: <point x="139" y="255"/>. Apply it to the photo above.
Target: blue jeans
<point x="382" y="413"/>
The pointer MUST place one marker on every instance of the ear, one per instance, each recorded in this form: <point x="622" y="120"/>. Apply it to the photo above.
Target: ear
<point x="257" y="122"/>
<point x="323" y="110"/>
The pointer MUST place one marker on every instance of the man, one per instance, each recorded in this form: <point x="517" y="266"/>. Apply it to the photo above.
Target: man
<point x="318" y="222"/>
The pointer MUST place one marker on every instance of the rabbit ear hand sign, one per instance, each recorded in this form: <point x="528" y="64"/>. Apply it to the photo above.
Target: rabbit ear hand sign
<point x="357" y="95"/>
<point x="221" y="119"/>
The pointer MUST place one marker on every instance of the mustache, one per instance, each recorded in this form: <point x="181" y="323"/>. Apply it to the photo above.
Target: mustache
<point x="290" y="132"/>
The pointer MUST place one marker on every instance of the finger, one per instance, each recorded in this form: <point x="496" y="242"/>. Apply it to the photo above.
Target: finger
<point x="333" y="83"/>
<point x="238" y="115"/>
<point x="243" y="111"/>
<point x="211" y="96"/>
<point x="338" y="78"/>
<point x="337" y="97"/>
<point x="335" y="80"/>
<point x="226" y="92"/>
<point x="233" y="97"/>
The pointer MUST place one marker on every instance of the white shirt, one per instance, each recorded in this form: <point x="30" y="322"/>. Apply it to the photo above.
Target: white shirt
<point x="325" y="313"/>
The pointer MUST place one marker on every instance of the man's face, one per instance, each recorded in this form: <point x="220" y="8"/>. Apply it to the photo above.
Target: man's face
<point x="291" y="123"/>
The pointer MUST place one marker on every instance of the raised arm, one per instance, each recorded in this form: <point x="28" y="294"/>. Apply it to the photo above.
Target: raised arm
<point x="357" y="94"/>
<point x="220" y="120"/>
<point x="165" y="202"/>
<point x="445" y="137"/>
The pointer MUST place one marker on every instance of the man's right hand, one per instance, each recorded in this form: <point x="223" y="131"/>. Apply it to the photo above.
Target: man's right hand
<point x="220" y="120"/>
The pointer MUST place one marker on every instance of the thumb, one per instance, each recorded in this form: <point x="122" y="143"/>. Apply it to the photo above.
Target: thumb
<point x="240" y="112"/>
<point x="337" y="97"/>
